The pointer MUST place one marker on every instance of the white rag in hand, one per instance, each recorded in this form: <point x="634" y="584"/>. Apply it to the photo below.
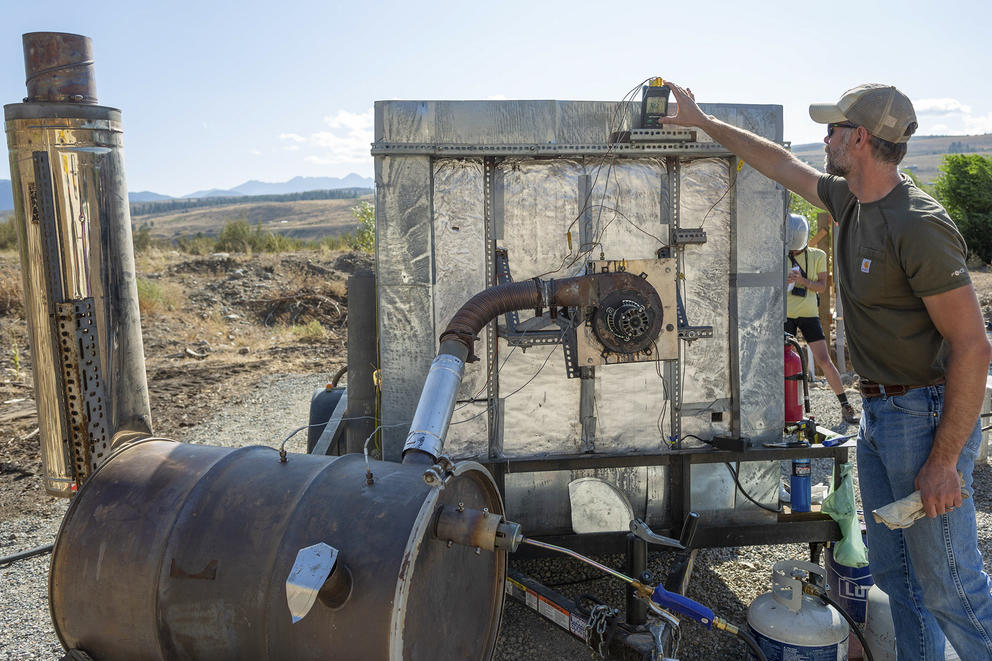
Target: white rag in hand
<point x="903" y="512"/>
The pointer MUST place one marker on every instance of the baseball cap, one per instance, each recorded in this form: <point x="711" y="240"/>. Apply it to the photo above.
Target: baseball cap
<point x="884" y="111"/>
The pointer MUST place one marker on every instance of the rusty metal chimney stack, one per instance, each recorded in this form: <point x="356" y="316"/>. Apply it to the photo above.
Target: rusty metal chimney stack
<point x="77" y="262"/>
<point x="59" y="68"/>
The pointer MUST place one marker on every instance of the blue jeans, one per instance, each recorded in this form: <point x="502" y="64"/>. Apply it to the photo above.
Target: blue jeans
<point x="932" y="571"/>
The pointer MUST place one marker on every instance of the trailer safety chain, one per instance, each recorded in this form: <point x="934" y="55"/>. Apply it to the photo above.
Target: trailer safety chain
<point x="600" y="625"/>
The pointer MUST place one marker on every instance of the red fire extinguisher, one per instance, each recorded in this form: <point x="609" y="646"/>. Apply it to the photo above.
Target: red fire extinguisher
<point x="793" y="385"/>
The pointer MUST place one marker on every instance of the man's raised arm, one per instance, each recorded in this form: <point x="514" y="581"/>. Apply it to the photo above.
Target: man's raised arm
<point x="768" y="158"/>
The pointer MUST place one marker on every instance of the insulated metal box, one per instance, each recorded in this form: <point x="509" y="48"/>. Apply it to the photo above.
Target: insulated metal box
<point x="456" y="180"/>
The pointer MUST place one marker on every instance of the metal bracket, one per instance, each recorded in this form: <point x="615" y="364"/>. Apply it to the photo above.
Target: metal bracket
<point x="515" y="333"/>
<point x="452" y="150"/>
<point x="687" y="332"/>
<point x="687" y="235"/>
<point x="662" y="135"/>
<point x="438" y="474"/>
<point x="81" y="379"/>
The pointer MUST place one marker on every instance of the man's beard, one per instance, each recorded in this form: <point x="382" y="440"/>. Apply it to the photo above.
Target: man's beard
<point x="831" y="165"/>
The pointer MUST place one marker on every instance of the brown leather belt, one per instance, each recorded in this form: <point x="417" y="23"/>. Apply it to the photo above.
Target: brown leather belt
<point x="872" y="389"/>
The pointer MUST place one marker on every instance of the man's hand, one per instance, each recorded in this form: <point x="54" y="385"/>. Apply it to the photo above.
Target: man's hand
<point x="940" y="486"/>
<point x="795" y="276"/>
<point x="688" y="113"/>
<point x="763" y="155"/>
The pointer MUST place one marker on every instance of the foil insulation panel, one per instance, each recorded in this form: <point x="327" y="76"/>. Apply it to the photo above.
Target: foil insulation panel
<point x="439" y="221"/>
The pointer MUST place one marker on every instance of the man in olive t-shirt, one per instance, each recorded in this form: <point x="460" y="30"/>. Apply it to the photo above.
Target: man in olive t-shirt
<point x="918" y="342"/>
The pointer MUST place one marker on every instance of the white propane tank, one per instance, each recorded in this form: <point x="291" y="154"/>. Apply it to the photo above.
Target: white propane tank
<point x="788" y="624"/>
<point x="879" y="632"/>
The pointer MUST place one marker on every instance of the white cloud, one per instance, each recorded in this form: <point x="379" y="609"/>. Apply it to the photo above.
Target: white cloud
<point x="948" y="116"/>
<point x="254" y="152"/>
<point x="346" y="142"/>
<point x="351" y="121"/>
<point x="940" y="106"/>
<point x="978" y="124"/>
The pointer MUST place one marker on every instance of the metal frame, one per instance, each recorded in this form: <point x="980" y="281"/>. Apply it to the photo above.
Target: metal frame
<point x="787" y="528"/>
<point x="448" y="150"/>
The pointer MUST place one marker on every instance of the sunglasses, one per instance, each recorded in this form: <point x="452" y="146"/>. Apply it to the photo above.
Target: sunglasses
<point x="839" y="125"/>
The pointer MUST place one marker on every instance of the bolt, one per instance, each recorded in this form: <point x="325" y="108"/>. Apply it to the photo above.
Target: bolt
<point x="485" y="510"/>
<point x="478" y="551"/>
<point x="461" y="507"/>
<point x="450" y="543"/>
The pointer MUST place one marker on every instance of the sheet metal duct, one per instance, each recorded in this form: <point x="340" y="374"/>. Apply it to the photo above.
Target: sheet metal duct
<point x="174" y="551"/>
<point x="77" y="262"/>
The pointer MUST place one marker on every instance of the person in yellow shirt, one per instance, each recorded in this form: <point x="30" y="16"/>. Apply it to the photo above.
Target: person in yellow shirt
<point x="807" y="279"/>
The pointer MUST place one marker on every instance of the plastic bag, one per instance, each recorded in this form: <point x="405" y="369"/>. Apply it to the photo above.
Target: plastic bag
<point x="850" y="551"/>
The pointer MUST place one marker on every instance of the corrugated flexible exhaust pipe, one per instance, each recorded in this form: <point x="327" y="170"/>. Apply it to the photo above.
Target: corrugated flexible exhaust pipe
<point x="425" y="440"/>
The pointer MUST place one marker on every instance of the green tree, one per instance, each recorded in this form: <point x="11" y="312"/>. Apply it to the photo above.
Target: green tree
<point x="964" y="187"/>
<point x="799" y="205"/>
<point x="142" y="239"/>
<point x="364" y="237"/>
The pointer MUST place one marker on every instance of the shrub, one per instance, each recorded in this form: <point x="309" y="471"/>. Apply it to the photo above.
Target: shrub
<point x="964" y="187"/>
<point x="238" y="236"/>
<point x="153" y="298"/>
<point x="363" y="238"/>
<point x="310" y="332"/>
<point x="8" y="233"/>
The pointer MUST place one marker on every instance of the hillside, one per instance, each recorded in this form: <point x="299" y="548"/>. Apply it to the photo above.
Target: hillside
<point x="925" y="154"/>
<point x="302" y="219"/>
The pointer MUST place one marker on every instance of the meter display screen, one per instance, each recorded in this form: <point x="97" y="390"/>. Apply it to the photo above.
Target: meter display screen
<point x="656" y="105"/>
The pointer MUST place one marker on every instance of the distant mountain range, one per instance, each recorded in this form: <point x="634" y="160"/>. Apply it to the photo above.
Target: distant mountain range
<point x="294" y="185"/>
<point x="253" y="187"/>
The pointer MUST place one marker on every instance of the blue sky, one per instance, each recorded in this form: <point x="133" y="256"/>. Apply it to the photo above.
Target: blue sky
<point x="214" y="94"/>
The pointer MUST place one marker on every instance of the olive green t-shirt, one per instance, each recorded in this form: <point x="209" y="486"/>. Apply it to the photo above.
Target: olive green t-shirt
<point x="890" y="254"/>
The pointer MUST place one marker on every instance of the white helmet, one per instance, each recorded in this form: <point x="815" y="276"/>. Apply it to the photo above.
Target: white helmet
<point x="796" y="232"/>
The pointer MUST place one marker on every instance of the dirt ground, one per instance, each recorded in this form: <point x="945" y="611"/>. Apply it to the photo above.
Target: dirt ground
<point x="212" y="328"/>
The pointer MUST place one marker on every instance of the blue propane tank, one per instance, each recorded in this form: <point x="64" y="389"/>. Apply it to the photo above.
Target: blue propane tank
<point x="788" y="624"/>
<point x="848" y="585"/>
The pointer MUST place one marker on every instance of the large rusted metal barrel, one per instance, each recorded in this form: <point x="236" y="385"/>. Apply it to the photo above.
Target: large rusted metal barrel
<point x="175" y="551"/>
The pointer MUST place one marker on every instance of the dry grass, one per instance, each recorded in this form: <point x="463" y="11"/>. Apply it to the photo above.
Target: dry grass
<point x="157" y="298"/>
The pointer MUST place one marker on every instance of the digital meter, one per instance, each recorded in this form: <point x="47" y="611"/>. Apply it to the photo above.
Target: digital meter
<point x="654" y="103"/>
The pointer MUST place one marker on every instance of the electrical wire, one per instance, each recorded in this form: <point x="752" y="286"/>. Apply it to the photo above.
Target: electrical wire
<point x="746" y="494"/>
<point x="730" y="186"/>
<point x="539" y="370"/>
<point x="621" y="115"/>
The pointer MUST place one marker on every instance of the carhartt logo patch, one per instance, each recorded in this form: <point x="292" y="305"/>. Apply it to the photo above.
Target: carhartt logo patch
<point x="865" y="265"/>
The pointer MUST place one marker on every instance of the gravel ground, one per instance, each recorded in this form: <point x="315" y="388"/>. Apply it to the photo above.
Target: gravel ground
<point x="726" y="579"/>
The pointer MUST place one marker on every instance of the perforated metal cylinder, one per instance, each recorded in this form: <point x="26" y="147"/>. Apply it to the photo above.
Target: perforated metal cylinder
<point x="80" y="288"/>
